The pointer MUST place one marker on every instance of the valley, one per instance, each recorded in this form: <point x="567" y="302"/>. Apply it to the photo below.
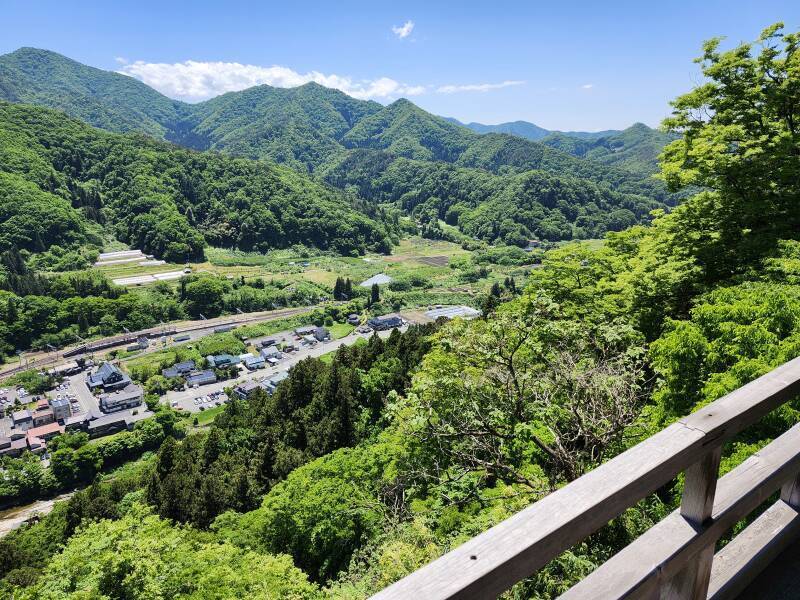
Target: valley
<point x="290" y="341"/>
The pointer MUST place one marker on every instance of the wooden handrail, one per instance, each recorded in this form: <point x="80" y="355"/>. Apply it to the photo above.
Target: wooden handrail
<point x="493" y="561"/>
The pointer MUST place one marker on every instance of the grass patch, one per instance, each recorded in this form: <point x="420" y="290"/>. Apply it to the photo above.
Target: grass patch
<point x="271" y="327"/>
<point x="340" y="330"/>
<point x="206" y="416"/>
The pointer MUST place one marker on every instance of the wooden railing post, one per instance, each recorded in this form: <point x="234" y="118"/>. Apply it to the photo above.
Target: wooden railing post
<point x="790" y="493"/>
<point x="696" y="505"/>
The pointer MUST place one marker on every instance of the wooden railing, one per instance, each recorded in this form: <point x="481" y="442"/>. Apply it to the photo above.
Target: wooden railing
<point x="673" y="559"/>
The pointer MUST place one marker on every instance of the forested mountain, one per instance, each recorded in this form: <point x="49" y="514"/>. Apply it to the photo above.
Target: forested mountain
<point x="635" y="148"/>
<point x="60" y="176"/>
<point x="302" y="127"/>
<point x="508" y="208"/>
<point x="104" y="99"/>
<point x="317" y="130"/>
<point x="529" y="130"/>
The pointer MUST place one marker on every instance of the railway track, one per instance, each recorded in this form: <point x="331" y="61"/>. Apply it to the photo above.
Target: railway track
<point x="119" y="340"/>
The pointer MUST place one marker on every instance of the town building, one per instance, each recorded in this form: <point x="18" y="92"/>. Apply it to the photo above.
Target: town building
<point x="128" y="397"/>
<point x="105" y="425"/>
<point x="45" y="432"/>
<point x="321" y="334"/>
<point x="305" y="330"/>
<point x="42" y="416"/>
<point x="271" y="352"/>
<point x="61" y="409"/>
<point x="201" y="378"/>
<point x="76" y="422"/>
<point x="385" y="322"/>
<point x="271" y="384"/>
<point x="248" y="388"/>
<point x="15" y="447"/>
<point x="22" y="420"/>
<point x="222" y="361"/>
<point x="255" y="362"/>
<point x="37" y="445"/>
<point x="179" y="370"/>
<point x="108" y="378"/>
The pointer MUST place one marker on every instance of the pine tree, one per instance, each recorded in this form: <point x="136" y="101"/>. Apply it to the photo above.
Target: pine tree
<point x="375" y="294"/>
<point x="337" y="289"/>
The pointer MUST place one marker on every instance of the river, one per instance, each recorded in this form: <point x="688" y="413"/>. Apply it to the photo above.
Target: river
<point x="12" y="518"/>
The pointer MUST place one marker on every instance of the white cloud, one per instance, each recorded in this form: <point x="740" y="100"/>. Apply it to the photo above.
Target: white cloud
<point x="121" y="60"/>
<point x="404" y="30"/>
<point x="476" y="87"/>
<point x="195" y="80"/>
<point x="587" y="86"/>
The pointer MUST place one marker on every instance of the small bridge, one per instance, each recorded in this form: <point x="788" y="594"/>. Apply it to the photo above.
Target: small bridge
<point x="675" y="559"/>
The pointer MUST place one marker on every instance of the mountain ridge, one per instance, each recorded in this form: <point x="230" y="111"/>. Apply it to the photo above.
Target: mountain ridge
<point x="316" y="130"/>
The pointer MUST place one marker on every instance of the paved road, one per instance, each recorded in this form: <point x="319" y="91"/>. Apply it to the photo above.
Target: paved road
<point x="185" y="398"/>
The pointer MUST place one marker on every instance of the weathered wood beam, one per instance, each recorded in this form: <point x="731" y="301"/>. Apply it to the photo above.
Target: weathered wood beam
<point x="663" y="551"/>
<point x="750" y="552"/>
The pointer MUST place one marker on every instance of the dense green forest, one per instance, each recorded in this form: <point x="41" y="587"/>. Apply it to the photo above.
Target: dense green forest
<point x="359" y="471"/>
<point x="509" y="208"/>
<point x="163" y="200"/>
<point x="317" y="130"/>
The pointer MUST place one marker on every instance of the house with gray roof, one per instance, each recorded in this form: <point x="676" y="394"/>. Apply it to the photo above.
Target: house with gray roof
<point x="22" y="419"/>
<point x="108" y="378"/>
<point x="128" y="397"/>
<point x="201" y="378"/>
<point x="179" y="370"/>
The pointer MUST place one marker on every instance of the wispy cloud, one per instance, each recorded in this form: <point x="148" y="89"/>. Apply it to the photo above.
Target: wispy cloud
<point x="195" y="80"/>
<point x="587" y="86"/>
<point x="121" y="60"/>
<point x="404" y="30"/>
<point x="476" y="87"/>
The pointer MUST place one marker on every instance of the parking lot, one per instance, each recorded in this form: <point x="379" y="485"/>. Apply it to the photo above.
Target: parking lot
<point x="187" y="399"/>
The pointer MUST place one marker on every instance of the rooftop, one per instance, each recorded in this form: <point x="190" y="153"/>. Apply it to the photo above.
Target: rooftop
<point x="380" y="279"/>
<point x="451" y="312"/>
<point x="129" y="392"/>
<point x="50" y="428"/>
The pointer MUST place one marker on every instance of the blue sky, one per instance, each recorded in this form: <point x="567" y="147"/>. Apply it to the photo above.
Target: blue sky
<point x="560" y="64"/>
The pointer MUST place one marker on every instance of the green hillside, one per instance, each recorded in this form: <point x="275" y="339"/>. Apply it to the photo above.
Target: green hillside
<point x="65" y="175"/>
<point x="636" y="148"/>
<point x="316" y="130"/>
<point x="101" y="98"/>
<point x="509" y="208"/>
<point x="301" y="126"/>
